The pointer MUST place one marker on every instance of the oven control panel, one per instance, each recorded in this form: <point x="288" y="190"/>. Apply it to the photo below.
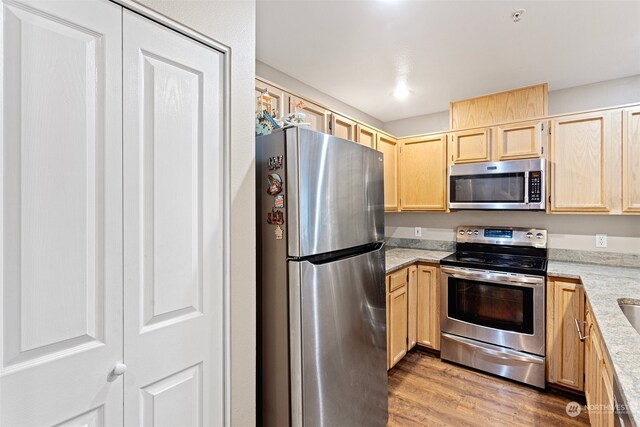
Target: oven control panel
<point x="512" y="236"/>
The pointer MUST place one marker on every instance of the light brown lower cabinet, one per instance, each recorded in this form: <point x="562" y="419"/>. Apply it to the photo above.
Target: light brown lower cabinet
<point x="412" y="310"/>
<point x="428" y="312"/>
<point x="598" y="386"/>
<point x="565" y="351"/>
<point x="397" y="309"/>
<point x="412" y="314"/>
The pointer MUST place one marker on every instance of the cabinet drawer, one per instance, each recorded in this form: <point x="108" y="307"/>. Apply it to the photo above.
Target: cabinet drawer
<point x="397" y="279"/>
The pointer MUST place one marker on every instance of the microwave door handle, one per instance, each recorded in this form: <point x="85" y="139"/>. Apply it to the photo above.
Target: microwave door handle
<point x="526" y="187"/>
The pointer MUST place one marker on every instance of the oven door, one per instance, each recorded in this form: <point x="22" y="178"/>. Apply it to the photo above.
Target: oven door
<point x="497" y="308"/>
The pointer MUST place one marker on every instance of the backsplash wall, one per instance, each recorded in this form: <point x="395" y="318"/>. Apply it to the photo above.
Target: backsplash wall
<point x="572" y="232"/>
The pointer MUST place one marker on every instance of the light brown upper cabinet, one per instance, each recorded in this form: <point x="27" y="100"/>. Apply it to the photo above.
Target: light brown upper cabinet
<point x="365" y="136"/>
<point x="423" y="181"/>
<point x="428" y="307"/>
<point x="523" y="140"/>
<point x="279" y="99"/>
<point x="389" y="147"/>
<point x="631" y="160"/>
<point x="471" y="146"/>
<point x="584" y="157"/>
<point x="343" y="127"/>
<point x="317" y="116"/>
<point x="565" y="351"/>
<point x="526" y="103"/>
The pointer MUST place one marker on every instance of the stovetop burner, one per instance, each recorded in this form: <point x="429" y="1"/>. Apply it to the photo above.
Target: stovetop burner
<point x="508" y="249"/>
<point x="498" y="261"/>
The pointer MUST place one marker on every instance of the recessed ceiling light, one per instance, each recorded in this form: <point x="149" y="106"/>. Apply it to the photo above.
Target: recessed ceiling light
<point x="401" y="92"/>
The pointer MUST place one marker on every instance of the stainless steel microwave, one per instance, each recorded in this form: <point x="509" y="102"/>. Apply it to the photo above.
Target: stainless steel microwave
<point x="509" y="185"/>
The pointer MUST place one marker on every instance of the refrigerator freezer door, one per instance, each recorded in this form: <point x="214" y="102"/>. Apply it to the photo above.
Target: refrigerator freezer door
<point x="336" y="193"/>
<point x="338" y="326"/>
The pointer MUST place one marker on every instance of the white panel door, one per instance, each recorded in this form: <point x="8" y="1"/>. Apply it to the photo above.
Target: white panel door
<point x="173" y="170"/>
<point x="61" y="292"/>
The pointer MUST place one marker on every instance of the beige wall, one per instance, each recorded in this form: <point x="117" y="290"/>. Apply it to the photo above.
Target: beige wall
<point x="603" y="94"/>
<point x="420" y="124"/>
<point x="596" y="95"/>
<point x="296" y="86"/>
<point x="233" y="23"/>
<point x="565" y="231"/>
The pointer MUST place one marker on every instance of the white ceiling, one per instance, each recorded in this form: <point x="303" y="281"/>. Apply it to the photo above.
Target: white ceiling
<point x="358" y="51"/>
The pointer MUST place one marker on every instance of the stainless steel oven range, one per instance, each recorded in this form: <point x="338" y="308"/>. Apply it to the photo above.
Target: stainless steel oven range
<point x="493" y="302"/>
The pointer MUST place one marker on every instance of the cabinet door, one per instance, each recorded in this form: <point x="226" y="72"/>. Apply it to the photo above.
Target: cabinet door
<point x="388" y="312"/>
<point x="566" y="352"/>
<point x="412" y="322"/>
<point x="366" y="136"/>
<point x="342" y="127"/>
<point x="389" y="147"/>
<point x="428" y="307"/>
<point x="605" y="390"/>
<point x="584" y="157"/>
<point x="471" y="146"/>
<point x="519" y="141"/>
<point x="590" y="363"/>
<point x="278" y="99"/>
<point x="173" y="158"/>
<point x="423" y="178"/>
<point x="61" y="135"/>
<point x="631" y="161"/>
<point x="398" y="305"/>
<point x="317" y="116"/>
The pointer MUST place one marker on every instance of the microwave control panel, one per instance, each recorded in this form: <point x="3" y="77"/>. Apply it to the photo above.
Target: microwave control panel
<point x="535" y="187"/>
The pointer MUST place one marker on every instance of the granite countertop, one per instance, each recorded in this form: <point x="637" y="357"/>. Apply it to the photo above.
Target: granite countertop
<point x="397" y="258"/>
<point x="604" y="286"/>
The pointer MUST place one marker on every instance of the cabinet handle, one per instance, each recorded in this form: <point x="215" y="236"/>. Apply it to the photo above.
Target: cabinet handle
<point x="580" y="337"/>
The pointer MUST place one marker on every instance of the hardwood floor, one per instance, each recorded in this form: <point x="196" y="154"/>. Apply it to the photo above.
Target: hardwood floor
<point x="425" y="391"/>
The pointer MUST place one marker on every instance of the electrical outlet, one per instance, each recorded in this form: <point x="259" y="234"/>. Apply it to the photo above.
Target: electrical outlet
<point x="601" y="240"/>
<point x="418" y="232"/>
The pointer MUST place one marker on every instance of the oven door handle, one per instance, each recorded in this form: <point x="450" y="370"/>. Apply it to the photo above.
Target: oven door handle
<point x="503" y="353"/>
<point x="528" y="282"/>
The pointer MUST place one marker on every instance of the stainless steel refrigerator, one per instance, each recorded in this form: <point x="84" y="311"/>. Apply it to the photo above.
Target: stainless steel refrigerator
<point x="321" y="290"/>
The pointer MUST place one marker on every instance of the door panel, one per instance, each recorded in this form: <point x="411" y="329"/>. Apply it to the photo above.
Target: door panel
<point x="631" y="161"/>
<point x="428" y="307"/>
<point x="344" y="341"/>
<point x="568" y="351"/>
<point x="343" y="127"/>
<point x="389" y="147"/>
<point x="315" y="115"/>
<point x="62" y="256"/>
<point x="519" y="141"/>
<point x="366" y="136"/>
<point x="584" y="159"/>
<point x="471" y="146"/>
<point x="278" y="100"/>
<point x="423" y="177"/>
<point x="173" y="240"/>
<point x="398" y="323"/>
<point x="412" y="322"/>
<point x="341" y="205"/>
